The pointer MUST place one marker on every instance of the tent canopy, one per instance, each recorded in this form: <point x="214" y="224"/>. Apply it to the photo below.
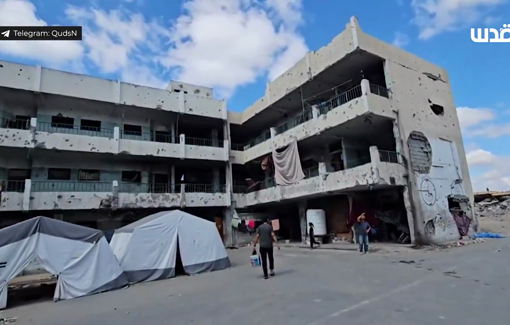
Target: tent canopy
<point x="148" y="249"/>
<point x="80" y="256"/>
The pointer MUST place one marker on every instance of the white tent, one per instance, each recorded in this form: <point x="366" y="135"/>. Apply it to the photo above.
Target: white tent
<point x="79" y="256"/>
<point x="148" y="248"/>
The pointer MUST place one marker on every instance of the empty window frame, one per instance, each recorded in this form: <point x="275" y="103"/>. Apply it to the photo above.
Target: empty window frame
<point x="131" y="177"/>
<point x="90" y="125"/>
<point x="21" y="122"/>
<point x="130" y="129"/>
<point x="88" y="175"/>
<point x="16" y="179"/>
<point x="62" y="122"/>
<point x="60" y="174"/>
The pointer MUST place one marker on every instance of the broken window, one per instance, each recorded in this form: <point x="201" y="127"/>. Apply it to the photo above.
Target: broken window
<point x="61" y="174"/>
<point x="19" y="122"/>
<point x="437" y="109"/>
<point x="90" y="125"/>
<point x="160" y="183"/>
<point x="88" y="175"/>
<point x="62" y="122"/>
<point x="16" y="179"/>
<point x="131" y="177"/>
<point x="130" y="129"/>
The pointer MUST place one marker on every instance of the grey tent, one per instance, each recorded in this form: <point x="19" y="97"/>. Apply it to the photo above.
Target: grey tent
<point x="148" y="249"/>
<point x="80" y="256"/>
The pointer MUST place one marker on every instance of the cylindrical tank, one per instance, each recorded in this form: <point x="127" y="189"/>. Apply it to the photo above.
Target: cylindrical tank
<point x="318" y="218"/>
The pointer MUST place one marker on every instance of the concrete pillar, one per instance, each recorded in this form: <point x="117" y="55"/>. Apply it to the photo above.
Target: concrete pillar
<point x="315" y="112"/>
<point x="172" y="179"/>
<point x="398" y="143"/>
<point x="323" y="168"/>
<point x="116" y="137"/>
<point x="365" y="87"/>
<point x="302" y="220"/>
<point x="27" y="193"/>
<point x="115" y="195"/>
<point x="214" y="136"/>
<point x="273" y="132"/>
<point x="216" y="180"/>
<point x="345" y="156"/>
<point x="173" y="134"/>
<point x="182" y="146"/>
<point x="230" y="240"/>
<point x="375" y="158"/>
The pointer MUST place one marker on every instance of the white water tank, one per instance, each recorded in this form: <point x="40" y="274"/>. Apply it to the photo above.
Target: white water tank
<point x="318" y="218"/>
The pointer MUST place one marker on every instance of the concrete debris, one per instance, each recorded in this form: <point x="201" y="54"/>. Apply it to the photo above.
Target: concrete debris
<point x="494" y="208"/>
<point x="4" y="320"/>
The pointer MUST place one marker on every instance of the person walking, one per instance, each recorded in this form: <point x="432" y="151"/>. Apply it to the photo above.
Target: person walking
<point x="362" y="229"/>
<point x="311" y="234"/>
<point x="266" y="237"/>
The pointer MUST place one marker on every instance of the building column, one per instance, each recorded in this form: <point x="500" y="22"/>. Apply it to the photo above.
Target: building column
<point x="230" y="240"/>
<point x="214" y="136"/>
<point x="172" y="179"/>
<point x="173" y="134"/>
<point x="398" y="143"/>
<point x="302" y="220"/>
<point x="216" y="180"/>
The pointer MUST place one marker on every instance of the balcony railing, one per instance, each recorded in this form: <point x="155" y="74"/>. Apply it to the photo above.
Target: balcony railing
<point x="388" y="156"/>
<point x="237" y="147"/>
<point x="204" y="188"/>
<point x="74" y="129"/>
<point x="304" y="116"/>
<point x="261" y="138"/>
<point x="13" y="186"/>
<point x="6" y="123"/>
<point x="69" y="186"/>
<point x="203" y="142"/>
<point x="379" y="90"/>
<point x="311" y="172"/>
<point x="339" y="100"/>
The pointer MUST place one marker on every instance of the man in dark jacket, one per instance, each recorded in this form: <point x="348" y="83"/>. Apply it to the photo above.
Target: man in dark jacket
<point x="266" y="237"/>
<point x="311" y="234"/>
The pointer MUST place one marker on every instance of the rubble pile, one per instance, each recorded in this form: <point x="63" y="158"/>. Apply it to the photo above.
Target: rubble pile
<point x="494" y="208"/>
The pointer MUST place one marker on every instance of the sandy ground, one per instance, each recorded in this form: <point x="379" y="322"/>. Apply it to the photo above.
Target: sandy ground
<point x="493" y="225"/>
<point x="463" y="285"/>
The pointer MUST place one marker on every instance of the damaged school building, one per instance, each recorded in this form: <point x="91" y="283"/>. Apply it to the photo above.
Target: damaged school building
<point x="356" y="126"/>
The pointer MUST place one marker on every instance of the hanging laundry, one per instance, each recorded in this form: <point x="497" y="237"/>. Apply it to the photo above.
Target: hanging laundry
<point x="287" y="165"/>
<point x="235" y="223"/>
<point x="251" y="224"/>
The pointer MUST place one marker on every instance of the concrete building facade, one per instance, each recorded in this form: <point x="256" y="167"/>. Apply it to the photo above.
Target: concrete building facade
<point x="376" y="129"/>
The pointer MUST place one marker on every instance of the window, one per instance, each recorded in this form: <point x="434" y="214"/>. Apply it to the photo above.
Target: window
<point x="61" y="174"/>
<point x="88" y="175"/>
<point x="19" y="122"/>
<point x="90" y="125"/>
<point x="62" y="122"/>
<point x="132" y="130"/>
<point x="131" y="177"/>
<point x="178" y="91"/>
<point x="18" y="174"/>
<point x="162" y="136"/>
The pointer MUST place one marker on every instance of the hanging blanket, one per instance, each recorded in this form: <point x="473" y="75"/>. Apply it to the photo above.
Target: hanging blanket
<point x="287" y="165"/>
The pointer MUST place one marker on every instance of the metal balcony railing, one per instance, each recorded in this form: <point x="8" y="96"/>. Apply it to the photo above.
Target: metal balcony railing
<point x="237" y="147"/>
<point x="74" y="129"/>
<point x="311" y="172"/>
<point x="239" y="189"/>
<point x="204" y="142"/>
<point x="69" y="186"/>
<point x="13" y="186"/>
<point x="204" y="188"/>
<point x="388" y="156"/>
<point x="261" y="138"/>
<point x="304" y="116"/>
<point x="6" y="123"/>
<point x="379" y="90"/>
<point x="339" y="100"/>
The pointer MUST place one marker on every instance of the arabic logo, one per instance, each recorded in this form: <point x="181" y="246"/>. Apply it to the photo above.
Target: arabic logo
<point x="498" y="36"/>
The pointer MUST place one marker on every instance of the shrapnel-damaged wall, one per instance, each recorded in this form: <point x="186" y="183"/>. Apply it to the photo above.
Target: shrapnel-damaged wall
<point x="429" y="139"/>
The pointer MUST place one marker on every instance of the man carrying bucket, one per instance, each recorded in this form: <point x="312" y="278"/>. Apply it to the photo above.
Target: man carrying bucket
<point x="266" y="237"/>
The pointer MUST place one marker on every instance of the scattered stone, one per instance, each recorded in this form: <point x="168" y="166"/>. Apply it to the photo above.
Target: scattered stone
<point x="494" y="208"/>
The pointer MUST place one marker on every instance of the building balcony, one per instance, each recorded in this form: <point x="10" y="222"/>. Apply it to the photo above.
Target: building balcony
<point x="384" y="169"/>
<point x="68" y="195"/>
<point x="63" y="137"/>
<point x="356" y="103"/>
